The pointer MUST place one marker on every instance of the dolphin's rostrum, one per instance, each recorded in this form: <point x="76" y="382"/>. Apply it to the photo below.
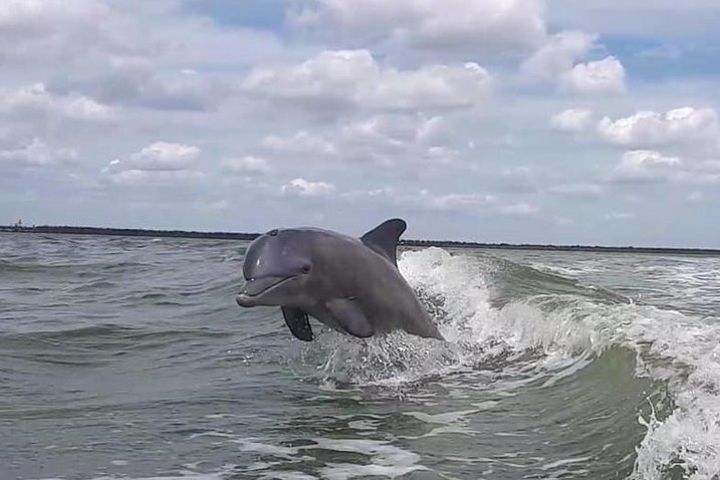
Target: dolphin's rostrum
<point x="352" y="285"/>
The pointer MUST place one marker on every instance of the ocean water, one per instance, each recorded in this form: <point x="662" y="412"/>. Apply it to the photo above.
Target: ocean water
<point x="127" y="358"/>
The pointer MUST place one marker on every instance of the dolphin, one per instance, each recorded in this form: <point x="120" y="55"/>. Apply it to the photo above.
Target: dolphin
<point x="351" y="285"/>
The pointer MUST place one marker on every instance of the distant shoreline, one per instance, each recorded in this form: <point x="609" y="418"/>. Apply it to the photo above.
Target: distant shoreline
<point x="136" y="232"/>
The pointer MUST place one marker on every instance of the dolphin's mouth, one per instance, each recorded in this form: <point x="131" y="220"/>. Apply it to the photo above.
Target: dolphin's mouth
<point x="257" y="286"/>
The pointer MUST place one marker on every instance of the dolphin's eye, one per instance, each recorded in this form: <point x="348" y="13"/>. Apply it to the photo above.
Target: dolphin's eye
<point x="273" y="233"/>
<point x="306" y="268"/>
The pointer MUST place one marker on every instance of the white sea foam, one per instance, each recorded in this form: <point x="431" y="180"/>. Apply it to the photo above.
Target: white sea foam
<point x="287" y="475"/>
<point x="440" y="418"/>
<point x="383" y="458"/>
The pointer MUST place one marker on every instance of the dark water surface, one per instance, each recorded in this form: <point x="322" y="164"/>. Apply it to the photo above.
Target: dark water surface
<point x="127" y="358"/>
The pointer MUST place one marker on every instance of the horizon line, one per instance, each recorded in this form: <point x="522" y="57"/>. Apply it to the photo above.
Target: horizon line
<point x="218" y="235"/>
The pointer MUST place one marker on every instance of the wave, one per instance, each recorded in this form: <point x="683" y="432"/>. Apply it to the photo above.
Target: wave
<point x="537" y="326"/>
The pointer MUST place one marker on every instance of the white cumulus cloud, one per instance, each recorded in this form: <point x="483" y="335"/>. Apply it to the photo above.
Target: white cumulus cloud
<point x="36" y="153"/>
<point x="577" y="190"/>
<point x="302" y="187"/>
<point x="557" y="60"/>
<point x="344" y="78"/>
<point x="137" y="178"/>
<point x="558" y="55"/>
<point x="387" y="139"/>
<point x="302" y="143"/>
<point x="483" y="26"/>
<point x="164" y="156"/>
<point x="572" y="120"/>
<point x="137" y="81"/>
<point x="648" y="129"/>
<point x="454" y="201"/>
<point x="160" y="163"/>
<point x="53" y="30"/>
<point x="34" y="100"/>
<point x="640" y="166"/>
<point x="601" y="76"/>
<point x="248" y="164"/>
<point x="682" y="144"/>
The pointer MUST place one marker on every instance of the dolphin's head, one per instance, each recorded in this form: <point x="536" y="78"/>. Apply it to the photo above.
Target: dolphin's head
<point x="277" y="266"/>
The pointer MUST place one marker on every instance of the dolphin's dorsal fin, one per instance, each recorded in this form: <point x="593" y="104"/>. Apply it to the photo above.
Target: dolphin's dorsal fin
<point x="384" y="238"/>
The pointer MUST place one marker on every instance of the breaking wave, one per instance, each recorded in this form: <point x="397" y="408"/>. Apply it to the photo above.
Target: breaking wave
<point x="498" y="317"/>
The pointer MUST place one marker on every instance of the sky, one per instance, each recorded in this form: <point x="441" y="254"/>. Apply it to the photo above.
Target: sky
<point x="519" y="121"/>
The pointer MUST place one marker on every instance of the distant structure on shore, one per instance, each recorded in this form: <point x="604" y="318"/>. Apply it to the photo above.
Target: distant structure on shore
<point x="134" y="232"/>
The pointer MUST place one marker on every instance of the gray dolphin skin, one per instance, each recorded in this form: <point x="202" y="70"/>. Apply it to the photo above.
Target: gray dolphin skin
<point x="351" y="285"/>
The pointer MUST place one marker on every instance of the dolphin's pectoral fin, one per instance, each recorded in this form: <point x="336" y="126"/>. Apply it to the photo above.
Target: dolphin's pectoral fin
<point x="350" y="317"/>
<point x="384" y="238"/>
<point x="297" y="322"/>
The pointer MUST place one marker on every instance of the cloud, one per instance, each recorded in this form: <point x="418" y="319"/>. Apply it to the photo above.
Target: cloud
<point x="693" y="133"/>
<point x="136" y="177"/>
<point x="386" y="139"/>
<point x="482" y="26"/>
<point x="302" y="187"/>
<point x="521" y="208"/>
<point x="643" y="166"/>
<point x="393" y="130"/>
<point x="557" y="56"/>
<point x="577" y="190"/>
<point x="147" y="54"/>
<point x="248" y="165"/>
<point x="453" y="201"/>
<point x="555" y="61"/>
<point x="160" y="163"/>
<point x="648" y="129"/>
<point x="424" y="200"/>
<point x="302" y="143"/>
<point x="164" y="156"/>
<point x="135" y="81"/>
<point x="338" y="79"/>
<point x="55" y="30"/>
<point x="680" y="145"/>
<point x="37" y="154"/>
<point x="572" y="120"/>
<point x="602" y="76"/>
<point x="389" y="139"/>
<point x="36" y="100"/>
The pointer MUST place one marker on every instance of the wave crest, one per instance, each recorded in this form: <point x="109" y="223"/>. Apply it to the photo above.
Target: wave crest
<point x="536" y="333"/>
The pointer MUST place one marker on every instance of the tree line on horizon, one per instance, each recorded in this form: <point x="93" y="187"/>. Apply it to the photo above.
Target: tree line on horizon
<point x="139" y="232"/>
